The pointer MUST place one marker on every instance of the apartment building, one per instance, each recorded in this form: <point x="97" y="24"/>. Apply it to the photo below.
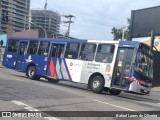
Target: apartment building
<point x="46" y="19"/>
<point x="17" y="12"/>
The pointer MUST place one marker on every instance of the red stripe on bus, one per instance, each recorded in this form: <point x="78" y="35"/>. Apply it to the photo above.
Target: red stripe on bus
<point x="51" y="68"/>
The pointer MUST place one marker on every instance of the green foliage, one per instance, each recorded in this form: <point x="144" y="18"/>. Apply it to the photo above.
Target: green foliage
<point x="118" y="32"/>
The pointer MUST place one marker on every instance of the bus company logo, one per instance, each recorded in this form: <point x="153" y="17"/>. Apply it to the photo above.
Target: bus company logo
<point x="71" y="64"/>
<point x="29" y="59"/>
<point x="93" y="64"/>
<point x="45" y="59"/>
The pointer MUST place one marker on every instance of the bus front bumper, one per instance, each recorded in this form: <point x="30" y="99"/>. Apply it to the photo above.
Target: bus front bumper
<point x="135" y="87"/>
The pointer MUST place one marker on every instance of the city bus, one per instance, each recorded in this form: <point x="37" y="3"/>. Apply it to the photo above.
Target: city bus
<point x="112" y="66"/>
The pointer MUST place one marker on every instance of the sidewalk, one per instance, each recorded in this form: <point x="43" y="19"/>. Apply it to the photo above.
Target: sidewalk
<point x="156" y="89"/>
<point x="1" y="65"/>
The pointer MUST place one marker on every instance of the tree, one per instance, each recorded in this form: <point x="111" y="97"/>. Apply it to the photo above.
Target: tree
<point x="118" y="32"/>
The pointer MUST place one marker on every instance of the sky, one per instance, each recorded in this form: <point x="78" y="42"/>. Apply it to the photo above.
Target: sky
<point x="4" y="38"/>
<point x="94" y="18"/>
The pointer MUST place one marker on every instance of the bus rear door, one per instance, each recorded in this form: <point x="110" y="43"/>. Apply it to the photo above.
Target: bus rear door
<point x="122" y="68"/>
<point x="55" y="60"/>
<point x="10" y="54"/>
<point x="20" y="56"/>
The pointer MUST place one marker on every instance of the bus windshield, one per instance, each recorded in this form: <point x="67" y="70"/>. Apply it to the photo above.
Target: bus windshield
<point x="144" y="62"/>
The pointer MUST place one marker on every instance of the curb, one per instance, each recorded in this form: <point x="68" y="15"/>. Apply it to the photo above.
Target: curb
<point x="1" y="66"/>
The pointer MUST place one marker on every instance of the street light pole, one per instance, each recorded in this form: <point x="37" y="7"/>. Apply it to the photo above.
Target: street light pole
<point x="123" y="31"/>
<point x="40" y="27"/>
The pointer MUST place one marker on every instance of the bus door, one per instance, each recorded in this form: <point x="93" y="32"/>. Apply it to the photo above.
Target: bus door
<point x="122" y="68"/>
<point x="10" y="54"/>
<point x="22" y="49"/>
<point x="55" y="60"/>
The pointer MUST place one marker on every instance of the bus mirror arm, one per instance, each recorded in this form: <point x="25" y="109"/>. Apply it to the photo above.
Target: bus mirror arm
<point x="118" y="72"/>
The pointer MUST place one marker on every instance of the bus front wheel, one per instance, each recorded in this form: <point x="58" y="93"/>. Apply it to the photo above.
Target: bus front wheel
<point x="31" y="72"/>
<point x="114" y="92"/>
<point x="97" y="84"/>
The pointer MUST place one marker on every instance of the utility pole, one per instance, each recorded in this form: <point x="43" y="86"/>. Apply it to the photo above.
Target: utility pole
<point x="123" y="32"/>
<point x="69" y="17"/>
<point x="45" y="6"/>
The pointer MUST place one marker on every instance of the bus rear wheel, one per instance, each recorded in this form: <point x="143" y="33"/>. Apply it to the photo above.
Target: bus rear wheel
<point x="97" y="84"/>
<point x="31" y="73"/>
<point x="114" y="92"/>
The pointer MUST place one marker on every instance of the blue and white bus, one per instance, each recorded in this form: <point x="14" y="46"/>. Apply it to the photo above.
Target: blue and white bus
<point x="114" y="66"/>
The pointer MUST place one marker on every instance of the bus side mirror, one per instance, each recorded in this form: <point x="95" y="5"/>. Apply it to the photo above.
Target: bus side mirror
<point x="118" y="72"/>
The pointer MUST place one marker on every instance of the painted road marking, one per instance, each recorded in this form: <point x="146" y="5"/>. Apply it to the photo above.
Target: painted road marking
<point x="11" y="78"/>
<point x="114" y="105"/>
<point x="150" y="103"/>
<point x="29" y="108"/>
<point x="18" y="79"/>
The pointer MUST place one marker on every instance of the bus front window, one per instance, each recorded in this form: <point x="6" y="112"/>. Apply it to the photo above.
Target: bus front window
<point x="144" y="62"/>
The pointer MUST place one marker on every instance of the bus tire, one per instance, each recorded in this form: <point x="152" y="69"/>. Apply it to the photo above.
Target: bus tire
<point x="31" y="72"/>
<point x="52" y="81"/>
<point x="114" y="92"/>
<point x="97" y="84"/>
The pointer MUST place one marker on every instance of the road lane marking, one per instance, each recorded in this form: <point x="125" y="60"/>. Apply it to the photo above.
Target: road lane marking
<point x="29" y="108"/>
<point x="18" y="79"/>
<point x="114" y="105"/>
<point x="150" y="103"/>
<point x="11" y="78"/>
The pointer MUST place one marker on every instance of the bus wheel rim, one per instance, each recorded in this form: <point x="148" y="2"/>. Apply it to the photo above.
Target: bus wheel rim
<point x="31" y="72"/>
<point x="96" y="84"/>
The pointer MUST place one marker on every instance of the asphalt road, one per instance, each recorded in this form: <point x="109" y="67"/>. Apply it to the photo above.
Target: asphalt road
<point x="18" y="93"/>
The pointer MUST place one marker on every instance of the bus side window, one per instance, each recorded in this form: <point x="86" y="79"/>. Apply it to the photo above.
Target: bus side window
<point x="61" y="50"/>
<point x="72" y="50"/>
<point x="105" y="53"/>
<point x="13" y="45"/>
<point x="44" y="48"/>
<point x="32" y="49"/>
<point x="23" y="47"/>
<point x="54" y="51"/>
<point x="87" y="52"/>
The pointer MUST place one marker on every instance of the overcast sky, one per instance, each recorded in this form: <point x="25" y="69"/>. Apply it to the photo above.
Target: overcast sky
<point x="95" y="18"/>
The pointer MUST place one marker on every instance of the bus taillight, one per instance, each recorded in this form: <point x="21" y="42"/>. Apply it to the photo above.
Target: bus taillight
<point x="108" y="67"/>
